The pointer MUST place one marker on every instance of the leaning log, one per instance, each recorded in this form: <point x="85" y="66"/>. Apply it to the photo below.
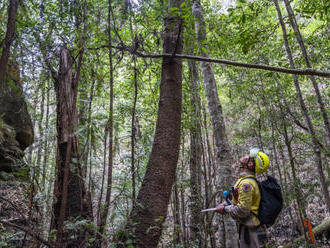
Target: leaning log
<point x="323" y="227"/>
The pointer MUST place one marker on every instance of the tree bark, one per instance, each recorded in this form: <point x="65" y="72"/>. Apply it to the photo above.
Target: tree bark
<point x="208" y="160"/>
<point x="69" y="183"/>
<point x="223" y="153"/>
<point x="9" y="38"/>
<point x="99" y="204"/>
<point x="149" y="213"/>
<point x="176" y="216"/>
<point x="183" y="208"/>
<point x="304" y="110"/>
<point x="105" y="208"/>
<point x="133" y="133"/>
<point x="45" y="155"/>
<point x="196" y="225"/>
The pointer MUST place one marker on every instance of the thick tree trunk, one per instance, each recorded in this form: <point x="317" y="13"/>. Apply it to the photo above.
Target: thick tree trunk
<point x="304" y="110"/>
<point x="69" y="183"/>
<point x="224" y="156"/>
<point x="10" y="33"/>
<point x="149" y="213"/>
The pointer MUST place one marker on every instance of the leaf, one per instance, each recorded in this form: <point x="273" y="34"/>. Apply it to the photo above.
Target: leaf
<point x="3" y="244"/>
<point x="204" y="50"/>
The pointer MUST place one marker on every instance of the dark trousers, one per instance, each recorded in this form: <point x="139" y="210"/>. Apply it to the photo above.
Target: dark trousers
<point x="255" y="237"/>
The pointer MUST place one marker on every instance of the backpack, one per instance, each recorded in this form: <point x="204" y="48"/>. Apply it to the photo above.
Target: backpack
<point x="271" y="201"/>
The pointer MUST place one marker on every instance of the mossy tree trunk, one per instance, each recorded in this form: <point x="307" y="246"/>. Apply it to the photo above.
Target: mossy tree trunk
<point x="196" y="226"/>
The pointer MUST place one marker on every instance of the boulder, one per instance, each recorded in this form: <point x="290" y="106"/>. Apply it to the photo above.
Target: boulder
<point x="16" y="129"/>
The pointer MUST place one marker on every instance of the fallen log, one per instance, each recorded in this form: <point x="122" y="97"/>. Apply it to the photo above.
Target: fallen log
<point x="324" y="226"/>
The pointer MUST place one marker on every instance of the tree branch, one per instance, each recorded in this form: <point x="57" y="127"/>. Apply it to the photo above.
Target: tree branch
<point x="308" y="71"/>
<point x="241" y="64"/>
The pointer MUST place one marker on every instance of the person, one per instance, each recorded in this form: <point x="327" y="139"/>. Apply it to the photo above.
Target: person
<point x="246" y="200"/>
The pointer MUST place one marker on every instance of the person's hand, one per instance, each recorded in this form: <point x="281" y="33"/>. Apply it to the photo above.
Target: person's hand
<point x="220" y="209"/>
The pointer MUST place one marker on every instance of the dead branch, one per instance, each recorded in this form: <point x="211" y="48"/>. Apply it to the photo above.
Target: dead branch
<point x="308" y="71"/>
<point x="241" y="64"/>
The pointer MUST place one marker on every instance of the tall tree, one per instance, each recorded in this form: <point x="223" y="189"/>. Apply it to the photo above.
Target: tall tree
<point x="149" y="213"/>
<point x="69" y="190"/>
<point x="316" y="148"/>
<point x="10" y="34"/>
<point x="105" y="209"/>
<point x="71" y="198"/>
<point x="223" y="153"/>
<point x="309" y="66"/>
<point x="195" y="156"/>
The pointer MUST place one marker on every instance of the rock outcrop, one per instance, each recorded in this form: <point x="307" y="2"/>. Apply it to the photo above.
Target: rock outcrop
<point x="16" y="129"/>
<point x="16" y="134"/>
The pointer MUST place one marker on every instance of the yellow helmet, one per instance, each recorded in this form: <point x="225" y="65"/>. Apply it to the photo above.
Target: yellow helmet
<point x="261" y="160"/>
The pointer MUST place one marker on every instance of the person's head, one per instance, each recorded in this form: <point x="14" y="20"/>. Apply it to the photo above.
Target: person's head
<point x="256" y="162"/>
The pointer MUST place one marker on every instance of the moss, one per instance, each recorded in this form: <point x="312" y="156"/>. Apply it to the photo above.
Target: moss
<point x="22" y="174"/>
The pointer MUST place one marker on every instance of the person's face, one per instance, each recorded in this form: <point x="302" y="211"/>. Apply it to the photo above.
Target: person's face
<point x="247" y="162"/>
<point x="244" y="160"/>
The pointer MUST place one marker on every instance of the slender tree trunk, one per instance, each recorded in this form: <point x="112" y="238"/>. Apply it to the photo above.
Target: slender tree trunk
<point x="309" y="66"/>
<point x="99" y="205"/>
<point x="41" y="133"/>
<point x="9" y="38"/>
<point x="88" y="145"/>
<point x="195" y="157"/>
<point x="149" y="213"/>
<point x="105" y="210"/>
<point x="287" y="179"/>
<point x="210" y="175"/>
<point x="133" y="121"/>
<point x="316" y="147"/>
<point x="183" y="205"/>
<point x="297" y="192"/>
<point x="133" y="135"/>
<point x="176" y="217"/>
<point x="45" y="156"/>
<point x="224" y="156"/>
